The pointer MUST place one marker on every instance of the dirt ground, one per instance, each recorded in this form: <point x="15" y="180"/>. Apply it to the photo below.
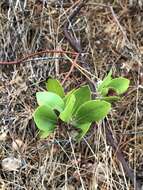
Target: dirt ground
<point x="111" y="36"/>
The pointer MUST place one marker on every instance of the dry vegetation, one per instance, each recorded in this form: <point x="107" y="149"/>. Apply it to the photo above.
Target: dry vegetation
<point x="112" y="37"/>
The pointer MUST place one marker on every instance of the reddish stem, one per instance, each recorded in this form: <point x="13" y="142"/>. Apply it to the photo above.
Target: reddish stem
<point x="34" y="54"/>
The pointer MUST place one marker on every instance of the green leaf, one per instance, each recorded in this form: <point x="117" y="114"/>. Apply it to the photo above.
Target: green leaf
<point x="50" y="99"/>
<point x="45" y="118"/>
<point x="105" y="81"/>
<point x="120" y="85"/>
<point x="66" y="115"/>
<point x="68" y="95"/>
<point x="93" y="110"/>
<point x="82" y="95"/>
<point x="54" y="85"/>
<point x="104" y="91"/>
<point x="110" y="98"/>
<point x="83" y="130"/>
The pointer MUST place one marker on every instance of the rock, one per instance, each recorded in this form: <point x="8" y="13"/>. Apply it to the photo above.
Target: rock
<point x="17" y="144"/>
<point x="11" y="164"/>
<point x="3" y="133"/>
<point x="3" y="136"/>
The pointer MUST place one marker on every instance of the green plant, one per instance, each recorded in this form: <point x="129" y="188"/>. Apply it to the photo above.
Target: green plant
<point x="116" y="87"/>
<point x="76" y="107"/>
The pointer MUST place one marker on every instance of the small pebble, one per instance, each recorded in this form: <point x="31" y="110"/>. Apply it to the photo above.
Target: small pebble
<point x="17" y="144"/>
<point x="3" y="133"/>
<point x="3" y="136"/>
<point x="11" y="164"/>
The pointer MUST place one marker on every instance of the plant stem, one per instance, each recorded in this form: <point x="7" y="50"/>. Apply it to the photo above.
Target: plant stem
<point x="24" y="59"/>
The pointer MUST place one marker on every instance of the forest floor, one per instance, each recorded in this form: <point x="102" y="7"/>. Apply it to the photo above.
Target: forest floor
<point x="111" y="36"/>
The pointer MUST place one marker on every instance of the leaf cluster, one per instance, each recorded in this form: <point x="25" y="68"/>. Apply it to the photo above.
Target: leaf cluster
<point x="76" y="107"/>
<point x="117" y="86"/>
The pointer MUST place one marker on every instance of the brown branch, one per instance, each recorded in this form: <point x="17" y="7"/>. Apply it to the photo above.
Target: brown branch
<point x="72" y="41"/>
<point x="74" y="64"/>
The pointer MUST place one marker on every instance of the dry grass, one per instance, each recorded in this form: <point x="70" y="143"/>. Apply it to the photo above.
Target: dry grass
<point x="112" y="37"/>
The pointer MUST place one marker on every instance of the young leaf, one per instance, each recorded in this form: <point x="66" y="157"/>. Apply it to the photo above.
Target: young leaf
<point x="50" y="99"/>
<point x="66" y="115"/>
<point x="68" y="95"/>
<point x="83" y="130"/>
<point x="82" y="95"/>
<point x="90" y="111"/>
<point x="120" y="85"/>
<point x="45" y="118"/>
<point x="104" y="91"/>
<point x="54" y="85"/>
<point x="105" y="81"/>
<point x="110" y="98"/>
